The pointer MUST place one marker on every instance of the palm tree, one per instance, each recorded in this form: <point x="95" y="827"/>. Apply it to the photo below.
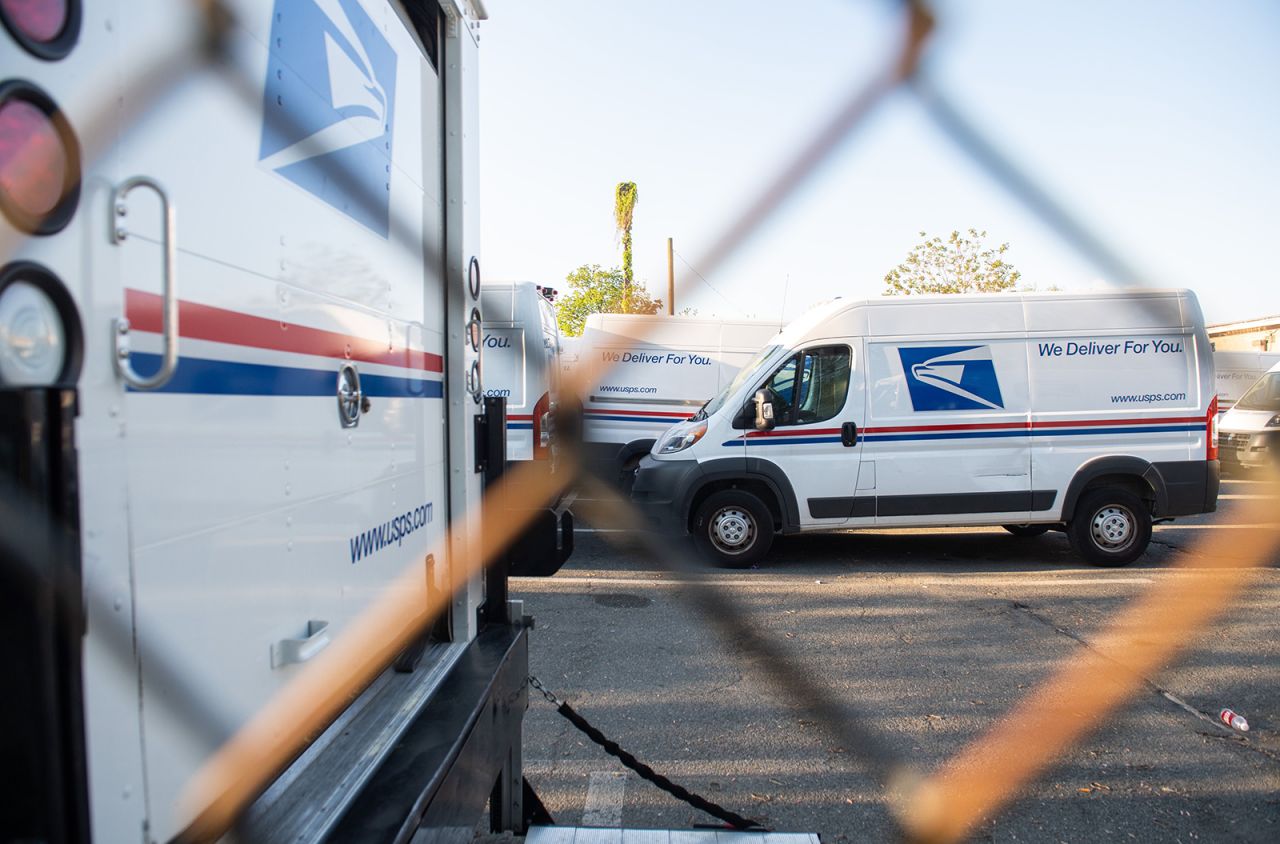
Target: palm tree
<point x="624" y="205"/>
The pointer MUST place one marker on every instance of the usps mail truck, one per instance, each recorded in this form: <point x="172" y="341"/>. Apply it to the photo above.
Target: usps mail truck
<point x="1251" y="428"/>
<point x="660" y="370"/>
<point x="1091" y="413"/>
<point x="522" y="363"/>
<point x="239" y="391"/>
<point x="521" y="343"/>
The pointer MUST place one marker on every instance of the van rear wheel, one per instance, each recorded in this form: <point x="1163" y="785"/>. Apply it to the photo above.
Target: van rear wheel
<point x="1027" y="531"/>
<point x="733" y="529"/>
<point x="1112" y="527"/>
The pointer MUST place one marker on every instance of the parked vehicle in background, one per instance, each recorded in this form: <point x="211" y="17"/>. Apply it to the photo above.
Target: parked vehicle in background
<point x="661" y="369"/>
<point x="522" y="363"/>
<point x="1092" y="413"/>
<point x="1250" y="431"/>
<point x="1236" y="372"/>
<point x="521" y="360"/>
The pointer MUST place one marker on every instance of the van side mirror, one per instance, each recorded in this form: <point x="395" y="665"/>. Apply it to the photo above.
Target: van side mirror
<point x="763" y="400"/>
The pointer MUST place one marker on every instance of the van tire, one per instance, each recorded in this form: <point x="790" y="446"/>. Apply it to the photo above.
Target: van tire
<point x="1027" y="531"/>
<point x="1111" y="527"/>
<point x="733" y="529"/>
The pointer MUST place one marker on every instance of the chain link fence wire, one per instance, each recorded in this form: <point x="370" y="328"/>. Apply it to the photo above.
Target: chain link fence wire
<point x="945" y="806"/>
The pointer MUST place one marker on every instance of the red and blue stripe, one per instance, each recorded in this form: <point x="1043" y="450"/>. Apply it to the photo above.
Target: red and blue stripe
<point x="652" y="417"/>
<point x="992" y="430"/>
<point x="212" y="376"/>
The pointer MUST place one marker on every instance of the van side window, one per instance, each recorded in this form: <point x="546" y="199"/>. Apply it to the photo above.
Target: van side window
<point x="819" y="393"/>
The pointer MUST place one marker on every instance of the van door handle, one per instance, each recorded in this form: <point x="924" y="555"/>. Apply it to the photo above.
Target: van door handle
<point x="290" y="651"/>
<point x="849" y="434"/>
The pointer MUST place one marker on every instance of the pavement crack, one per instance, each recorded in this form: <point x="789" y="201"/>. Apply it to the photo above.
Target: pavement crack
<point x="1221" y="731"/>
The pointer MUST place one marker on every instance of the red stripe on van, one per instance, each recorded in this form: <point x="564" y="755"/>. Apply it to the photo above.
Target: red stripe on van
<point x="205" y="322"/>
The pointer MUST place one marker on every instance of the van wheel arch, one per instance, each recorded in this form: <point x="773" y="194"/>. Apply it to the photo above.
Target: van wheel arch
<point x="758" y="487"/>
<point x="1131" y="473"/>
<point x="633" y="451"/>
<point x="755" y="474"/>
<point x="628" y="458"/>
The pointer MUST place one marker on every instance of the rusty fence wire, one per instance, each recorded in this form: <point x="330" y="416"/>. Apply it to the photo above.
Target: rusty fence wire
<point x="942" y="805"/>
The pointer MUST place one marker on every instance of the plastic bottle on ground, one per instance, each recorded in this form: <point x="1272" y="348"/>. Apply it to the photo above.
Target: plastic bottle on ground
<point x="1234" y="720"/>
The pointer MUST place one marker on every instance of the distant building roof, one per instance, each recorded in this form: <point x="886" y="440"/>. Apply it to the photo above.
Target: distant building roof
<point x="1244" y="326"/>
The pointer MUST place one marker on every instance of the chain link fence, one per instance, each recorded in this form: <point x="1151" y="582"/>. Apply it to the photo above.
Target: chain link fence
<point x="941" y="805"/>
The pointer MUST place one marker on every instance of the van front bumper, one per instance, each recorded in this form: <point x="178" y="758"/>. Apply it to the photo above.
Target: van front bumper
<point x="661" y="491"/>
<point x="1248" y="449"/>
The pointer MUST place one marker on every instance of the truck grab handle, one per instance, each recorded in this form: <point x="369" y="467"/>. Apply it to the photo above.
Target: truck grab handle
<point x="169" y="312"/>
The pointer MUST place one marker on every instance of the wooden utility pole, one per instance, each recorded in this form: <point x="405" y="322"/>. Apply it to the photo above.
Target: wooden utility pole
<point x="671" y="280"/>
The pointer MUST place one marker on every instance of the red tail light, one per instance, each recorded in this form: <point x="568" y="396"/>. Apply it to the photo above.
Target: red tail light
<point x="1211" y="430"/>
<point x="542" y="428"/>
<point x="46" y="28"/>
<point x="39" y="160"/>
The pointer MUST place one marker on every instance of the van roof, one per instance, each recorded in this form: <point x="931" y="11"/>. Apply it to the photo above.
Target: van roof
<point x="998" y="313"/>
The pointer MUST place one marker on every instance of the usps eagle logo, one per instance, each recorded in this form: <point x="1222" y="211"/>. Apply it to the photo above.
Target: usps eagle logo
<point x="328" y="106"/>
<point x="951" y="378"/>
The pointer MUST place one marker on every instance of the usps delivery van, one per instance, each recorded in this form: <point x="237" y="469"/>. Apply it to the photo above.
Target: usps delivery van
<point x="521" y="345"/>
<point x="239" y="396"/>
<point x="1093" y="413"/>
<point x="1236" y="372"/>
<point x="522" y="363"/>
<point x="1250" y="436"/>
<point x="661" y="369"/>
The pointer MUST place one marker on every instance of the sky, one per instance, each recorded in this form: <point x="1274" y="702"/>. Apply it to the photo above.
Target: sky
<point x="1157" y="124"/>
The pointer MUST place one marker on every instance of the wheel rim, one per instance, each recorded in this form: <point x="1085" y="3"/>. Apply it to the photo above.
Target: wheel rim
<point x="1114" y="528"/>
<point x="732" y="530"/>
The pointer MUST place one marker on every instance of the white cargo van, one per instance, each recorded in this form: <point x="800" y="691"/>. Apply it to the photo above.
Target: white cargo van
<point x="1251" y="429"/>
<point x="661" y="370"/>
<point x="521" y="363"/>
<point x="1236" y="372"/>
<point x="1089" y="412"/>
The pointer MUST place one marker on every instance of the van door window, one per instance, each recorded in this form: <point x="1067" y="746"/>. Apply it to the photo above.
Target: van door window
<point x="819" y="391"/>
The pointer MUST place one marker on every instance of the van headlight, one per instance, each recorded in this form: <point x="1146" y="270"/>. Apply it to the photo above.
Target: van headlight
<point x="683" y="439"/>
<point x="33" y="339"/>
<point x="1274" y="421"/>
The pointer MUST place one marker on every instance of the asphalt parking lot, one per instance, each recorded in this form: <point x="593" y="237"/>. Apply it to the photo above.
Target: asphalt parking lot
<point x="937" y="634"/>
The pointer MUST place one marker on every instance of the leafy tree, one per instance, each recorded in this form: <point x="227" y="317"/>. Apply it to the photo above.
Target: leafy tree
<point x="624" y="206"/>
<point x="958" y="264"/>
<point x="593" y="290"/>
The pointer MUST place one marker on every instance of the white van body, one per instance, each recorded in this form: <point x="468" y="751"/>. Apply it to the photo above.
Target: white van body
<point x="315" y="440"/>
<point x="1251" y="429"/>
<point x="1236" y="372"/>
<point x="661" y="370"/>
<point x="952" y="410"/>
<point x="522" y="362"/>
<point x="521" y="343"/>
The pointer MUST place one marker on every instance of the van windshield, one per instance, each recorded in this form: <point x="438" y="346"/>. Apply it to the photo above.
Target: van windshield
<point x="751" y="370"/>
<point x="1264" y="395"/>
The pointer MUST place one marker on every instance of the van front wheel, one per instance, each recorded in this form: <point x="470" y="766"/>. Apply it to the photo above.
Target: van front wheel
<point x="1112" y="527"/>
<point x="733" y="529"/>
